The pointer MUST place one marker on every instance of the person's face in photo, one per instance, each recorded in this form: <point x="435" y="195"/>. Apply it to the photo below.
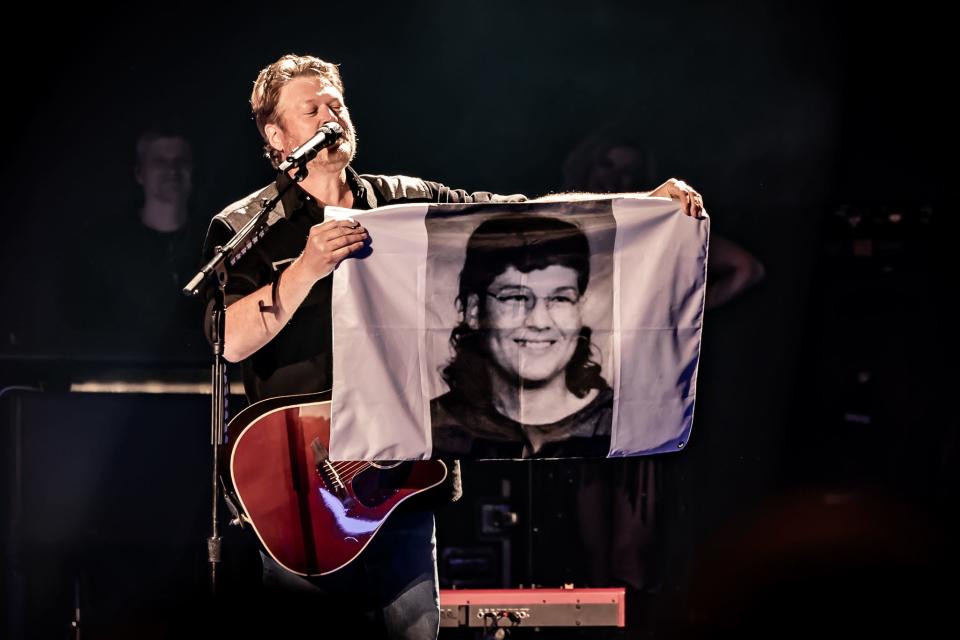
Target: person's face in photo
<point x="532" y="322"/>
<point x="305" y="104"/>
<point x="165" y="170"/>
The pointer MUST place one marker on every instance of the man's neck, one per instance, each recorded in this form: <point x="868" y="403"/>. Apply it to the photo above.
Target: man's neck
<point x="163" y="216"/>
<point x="329" y="188"/>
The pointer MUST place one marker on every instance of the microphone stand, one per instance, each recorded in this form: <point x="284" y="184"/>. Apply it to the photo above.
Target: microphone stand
<point x="216" y="269"/>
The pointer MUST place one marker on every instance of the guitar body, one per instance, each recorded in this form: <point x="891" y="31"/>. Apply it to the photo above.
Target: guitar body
<point x="313" y="516"/>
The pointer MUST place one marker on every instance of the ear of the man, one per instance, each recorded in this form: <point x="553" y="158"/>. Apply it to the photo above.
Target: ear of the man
<point x="471" y="314"/>
<point x="274" y="136"/>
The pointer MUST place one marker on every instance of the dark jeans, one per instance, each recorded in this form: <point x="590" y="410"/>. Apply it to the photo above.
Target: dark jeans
<point x="390" y="591"/>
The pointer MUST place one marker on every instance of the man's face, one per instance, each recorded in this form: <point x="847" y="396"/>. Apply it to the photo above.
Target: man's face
<point x="619" y="170"/>
<point x="532" y="323"/>
<point x="305" y="104"/>
<point x="165" y="170"/>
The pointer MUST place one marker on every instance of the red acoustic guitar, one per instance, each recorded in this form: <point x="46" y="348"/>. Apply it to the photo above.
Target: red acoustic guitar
<point x="313" y="516"/>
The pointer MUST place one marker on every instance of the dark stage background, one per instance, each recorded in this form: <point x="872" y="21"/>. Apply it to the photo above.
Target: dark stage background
<point x="825" y="439"/>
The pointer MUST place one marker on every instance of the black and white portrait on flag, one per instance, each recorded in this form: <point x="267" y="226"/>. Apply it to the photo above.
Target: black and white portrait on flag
<point x="518" y="330"/>
<point x="519" y="317"/>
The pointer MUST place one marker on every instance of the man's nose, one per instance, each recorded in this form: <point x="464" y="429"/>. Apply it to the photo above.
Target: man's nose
<point x="328" y="114"/>
<point x="176" y="167"/>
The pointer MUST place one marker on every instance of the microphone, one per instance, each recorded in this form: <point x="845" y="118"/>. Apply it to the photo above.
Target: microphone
<point x="327" y="135"/>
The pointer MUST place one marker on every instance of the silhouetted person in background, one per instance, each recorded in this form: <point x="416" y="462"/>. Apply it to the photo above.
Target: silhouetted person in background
<point x="609" y="163"/>
<point x="617" y="499"/>
<point x="137" y="259"/>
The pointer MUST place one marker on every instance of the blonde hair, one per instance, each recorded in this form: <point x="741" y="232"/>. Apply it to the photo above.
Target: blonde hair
<point x="266" y="90"/>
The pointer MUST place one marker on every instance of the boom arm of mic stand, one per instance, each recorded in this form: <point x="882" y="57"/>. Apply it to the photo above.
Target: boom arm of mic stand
<point x="242" y="241"/>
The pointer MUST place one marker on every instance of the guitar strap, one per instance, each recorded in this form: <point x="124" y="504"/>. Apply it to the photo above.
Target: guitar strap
<point x="278" y="269"/>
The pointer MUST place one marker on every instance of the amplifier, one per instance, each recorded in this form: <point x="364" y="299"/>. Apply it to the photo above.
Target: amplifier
<point x="532" y="607"/>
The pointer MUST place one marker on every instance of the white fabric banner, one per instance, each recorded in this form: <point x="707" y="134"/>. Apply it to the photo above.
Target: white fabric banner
<point x="518" y="330"/>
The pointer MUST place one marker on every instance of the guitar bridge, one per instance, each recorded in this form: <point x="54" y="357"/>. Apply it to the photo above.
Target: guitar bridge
<point x="325" y="469"/>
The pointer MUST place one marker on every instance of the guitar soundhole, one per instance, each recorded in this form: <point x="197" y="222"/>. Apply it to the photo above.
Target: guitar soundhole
<point x="374" y="486"/>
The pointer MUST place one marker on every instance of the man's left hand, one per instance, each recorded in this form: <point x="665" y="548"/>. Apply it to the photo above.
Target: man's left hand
<point x="690" y="199"/>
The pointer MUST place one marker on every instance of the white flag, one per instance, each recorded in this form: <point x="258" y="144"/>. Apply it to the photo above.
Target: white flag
<point x="518" y="330"/>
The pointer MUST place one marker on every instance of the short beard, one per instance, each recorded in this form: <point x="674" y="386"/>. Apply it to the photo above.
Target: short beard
<point x="333" y="159"/>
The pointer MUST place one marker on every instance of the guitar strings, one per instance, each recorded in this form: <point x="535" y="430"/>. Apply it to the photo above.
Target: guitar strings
<point x="348" y="466"/>
<point x="349" y="470"/>
<point x="353" y="474"/>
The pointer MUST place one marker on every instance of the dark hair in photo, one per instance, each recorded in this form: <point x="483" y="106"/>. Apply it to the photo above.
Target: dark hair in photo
<point x="527" y="243"/>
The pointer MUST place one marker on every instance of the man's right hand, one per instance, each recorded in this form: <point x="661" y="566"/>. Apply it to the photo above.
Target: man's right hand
<point x="330" y="242"/>
<point x="255" y="319"/>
